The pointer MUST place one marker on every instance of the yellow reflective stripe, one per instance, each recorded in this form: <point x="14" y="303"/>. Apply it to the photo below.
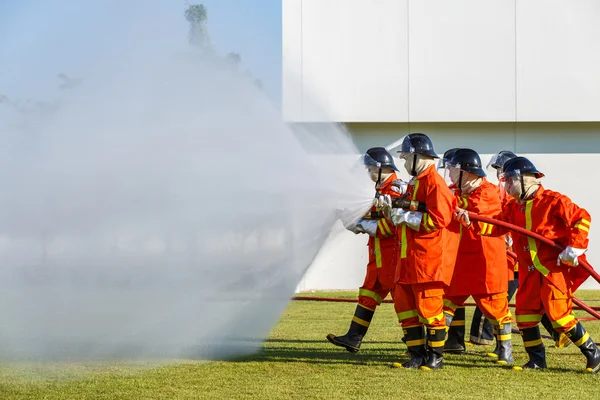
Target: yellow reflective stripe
<point x="529" y="317"/>
<point x="582" y="227"/>
<point x="386" y="226"/>
<point x="458" y="323"/>
<point x="368" y="293"/>
<point x="504" y="338"/>
<point x="563" y="321"/>
<point x="407" y="314"/>
<point x="462" y="202"/>
<point x="365" y="307"/>
<point x="532" y="343"/>
<point x="484" y="226"/>
<point x="403" y="244"/>
<point x="585" y="222"/>
<point x="378" y="253"/>
<point x="416" y="186"/>
<point x="438" y="317"/>
<point x="486" y="229"/>
<point x="436" y="344"/>
<point x="430" y="222"/>
<point x="361" y="321"/>
<point x="450" y="304"/>
<point x="533" y="252"/>
<point x="582" y="340"/>
<point x="414" y="343"/>
<point x="425" y="218"/>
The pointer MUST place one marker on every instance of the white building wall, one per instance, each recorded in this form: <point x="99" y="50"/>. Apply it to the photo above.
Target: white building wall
<point x="441" y="60"/>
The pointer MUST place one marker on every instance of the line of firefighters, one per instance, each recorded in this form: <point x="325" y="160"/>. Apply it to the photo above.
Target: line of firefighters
<point x="431" y="257"/>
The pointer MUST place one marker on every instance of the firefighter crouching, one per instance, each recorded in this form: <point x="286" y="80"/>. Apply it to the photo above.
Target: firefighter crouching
<point x="547" y="274"/>
<point x="427" y="254"/>
<point x="383" y="250"/>
<point x="481" y="267"/>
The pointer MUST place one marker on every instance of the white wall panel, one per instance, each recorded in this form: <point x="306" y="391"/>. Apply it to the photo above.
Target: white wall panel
<point x="291" y="59"/>
<point x="558" y="60"/>
<point x="462" y="60"/>
<point x="354" y="59"/>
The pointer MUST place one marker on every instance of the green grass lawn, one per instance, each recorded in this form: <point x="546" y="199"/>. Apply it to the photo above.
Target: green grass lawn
<point x="297" y="362"/>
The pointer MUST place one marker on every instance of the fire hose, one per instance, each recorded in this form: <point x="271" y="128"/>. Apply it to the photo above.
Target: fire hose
<point x="417" y="206"/>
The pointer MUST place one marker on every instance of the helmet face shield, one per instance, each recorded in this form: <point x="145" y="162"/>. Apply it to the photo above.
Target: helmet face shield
<point x="492" y="166"/>
<point x="512" y="183"/>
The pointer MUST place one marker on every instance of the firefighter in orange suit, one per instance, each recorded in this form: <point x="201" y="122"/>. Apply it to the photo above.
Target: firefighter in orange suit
<point x="383" y="250"/>
<point x="547" y="275"/>
<point x="481" y="268"/>
<point x="427" y="254"/>
<point x="482" y="331"/>
<point x="455" y="338"/>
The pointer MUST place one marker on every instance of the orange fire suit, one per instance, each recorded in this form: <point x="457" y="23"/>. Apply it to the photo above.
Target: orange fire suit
<point x="481" y="266"/>
<point x="427" y="256"/>
<point x="543" y="285"/>
<point x="383" y="255"/>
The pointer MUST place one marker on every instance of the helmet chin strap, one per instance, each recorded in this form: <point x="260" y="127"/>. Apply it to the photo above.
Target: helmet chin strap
<point x="460" y="176"/>
<point x="414" y="165"/>
<point x="378" y="178"/>
<point x="522" y="196"/>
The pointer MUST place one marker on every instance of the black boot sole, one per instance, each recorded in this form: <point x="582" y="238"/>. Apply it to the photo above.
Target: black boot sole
<point x="332" y="340"/>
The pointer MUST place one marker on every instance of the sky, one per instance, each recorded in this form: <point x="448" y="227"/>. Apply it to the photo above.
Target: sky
<point x="251" y="28"/>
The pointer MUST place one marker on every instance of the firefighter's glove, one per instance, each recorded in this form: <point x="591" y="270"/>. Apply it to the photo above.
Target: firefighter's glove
<point x="412" y="219"/>
<point x="462" y="216"/>
<point x="569" y="256"/>
<point x="508" y="241"/>
<point x="383" y="203"/>
<point x="368" y="226"/>
<point x="399" y="186"/>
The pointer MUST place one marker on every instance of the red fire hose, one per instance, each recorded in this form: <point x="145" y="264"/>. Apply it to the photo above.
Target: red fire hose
<point x="581" y="304"/>
<point x="584" y="264"/>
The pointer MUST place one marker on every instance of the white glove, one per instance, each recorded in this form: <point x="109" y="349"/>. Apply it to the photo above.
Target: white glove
<point x="508" y="241"/>
<point x="368" y="226"/>
<point x="462" y="216"/>
<point x="412" y="219"/>
<point x="383" y="203"/>
<point x="569" y="256"/>
<point x="399" y="186"/>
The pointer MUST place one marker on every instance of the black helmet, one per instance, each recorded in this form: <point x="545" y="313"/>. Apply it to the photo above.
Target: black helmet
<point x="522" y="166"/>
<point x="418" y="143"/>
<point x="498" y="160"/>
<point x="447" y="157"/>
<point x="379" y="157"/>
<point x="467" y="160"/>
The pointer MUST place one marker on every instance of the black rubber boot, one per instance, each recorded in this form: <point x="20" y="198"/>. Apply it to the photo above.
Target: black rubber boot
<point x="582" y="339"/>
<point x="560" y="339"/>
<point x="532" y="340"/>
<point x="414" y="338"/>
<point x="358" y="328"/>
<point x="455" y="342"/>
<point x="504" y="344"/>
<point x="481" y="332"/>
<point x="435" y="348"/>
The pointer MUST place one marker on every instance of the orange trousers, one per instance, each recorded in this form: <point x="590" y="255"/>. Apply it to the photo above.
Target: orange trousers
<point x="420" y="304"/>
<point x="538" y="295"/>
<point x="493" y="306"/>
<point x="371" y="295"/>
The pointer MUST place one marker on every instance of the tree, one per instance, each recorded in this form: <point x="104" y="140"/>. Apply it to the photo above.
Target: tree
<point x="196" y="16"/>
